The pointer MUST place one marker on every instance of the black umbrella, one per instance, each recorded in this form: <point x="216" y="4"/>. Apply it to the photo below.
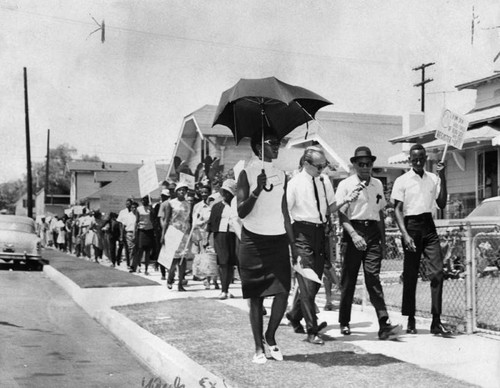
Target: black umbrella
<point x="254" y="104"/>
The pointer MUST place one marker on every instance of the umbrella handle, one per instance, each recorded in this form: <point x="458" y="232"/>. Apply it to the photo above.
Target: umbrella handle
<point x="270" y="187"/>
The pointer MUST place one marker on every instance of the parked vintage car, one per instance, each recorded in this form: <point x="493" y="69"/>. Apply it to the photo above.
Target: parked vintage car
<point x="19" y="241"/>
<point x="485" y="228"/>
<point x="487" y="214"/>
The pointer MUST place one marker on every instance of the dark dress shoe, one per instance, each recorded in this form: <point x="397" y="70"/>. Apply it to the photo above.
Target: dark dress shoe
<point x="314" y="339"/>
<point x="410" y="329"/>
<point x="389" y="331"/>
<point x="180" y="288"/>
<point x="440" y="329"/>
<point x="321" y="326"/>
<point x="345" y="330"/>
<point x="297" y="327"/>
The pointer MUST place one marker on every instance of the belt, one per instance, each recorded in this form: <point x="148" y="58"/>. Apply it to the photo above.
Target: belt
<point x="364" y="222"/>
<point x="310" y="224"/>
<point x="420" y="217"/>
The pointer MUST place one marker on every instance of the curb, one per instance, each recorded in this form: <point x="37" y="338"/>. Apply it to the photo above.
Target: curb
<point x="165" y="361"/>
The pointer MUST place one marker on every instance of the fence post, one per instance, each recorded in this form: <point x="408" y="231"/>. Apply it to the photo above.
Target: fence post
<point x="469" y="257"/>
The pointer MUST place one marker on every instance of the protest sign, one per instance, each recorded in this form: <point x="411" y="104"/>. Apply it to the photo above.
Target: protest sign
<point x="451" y="129"/>
<point x="188" y="179"/>
<point x="148" y="179"/>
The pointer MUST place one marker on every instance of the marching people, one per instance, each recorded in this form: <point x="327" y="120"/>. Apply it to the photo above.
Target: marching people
<point x="144" y="236"/>
<point x="158" y="225"/>
<point x="266" y="234"/>
<point x="224" y="236"/>
<point x="178" y="215"/>
<point x="127" y="220"/>
<point x="112" y="233"/>
<point x="310" y="198"/>
<point x="415" y="195"/>
<point x="98" y="235"/>
<point x="201" y="215"/>
<point x="364" y="235"/>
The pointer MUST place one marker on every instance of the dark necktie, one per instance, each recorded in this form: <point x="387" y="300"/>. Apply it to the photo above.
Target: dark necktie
<point x="317" y="200"/>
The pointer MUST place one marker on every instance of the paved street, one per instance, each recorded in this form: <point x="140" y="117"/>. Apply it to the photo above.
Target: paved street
<point x="49" y="341"/>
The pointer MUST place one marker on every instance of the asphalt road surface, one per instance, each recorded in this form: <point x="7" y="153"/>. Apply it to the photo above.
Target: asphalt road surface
<point x="46" y="340"/>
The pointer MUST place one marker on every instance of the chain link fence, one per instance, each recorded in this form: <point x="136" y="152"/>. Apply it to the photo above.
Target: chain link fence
<point x="471" y="289"/>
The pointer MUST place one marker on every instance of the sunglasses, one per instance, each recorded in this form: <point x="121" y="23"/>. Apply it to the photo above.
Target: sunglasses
<point x="320" y="167"/>
<point x="367" y="164"/>
<point x="273" y="143"/>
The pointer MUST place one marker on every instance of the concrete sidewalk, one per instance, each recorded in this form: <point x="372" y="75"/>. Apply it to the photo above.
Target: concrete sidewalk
<point x="472" y="358"/>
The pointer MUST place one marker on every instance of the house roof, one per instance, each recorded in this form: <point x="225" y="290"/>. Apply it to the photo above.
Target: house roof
<point x="81" y="165"/>
<point x="341" y="133"/>
<point x="204" y="118"/>
<point x="475" y="84"/>
<point x="127" y="185"/>
<point x="484" y="133"/>
<point x="426" y="133"/>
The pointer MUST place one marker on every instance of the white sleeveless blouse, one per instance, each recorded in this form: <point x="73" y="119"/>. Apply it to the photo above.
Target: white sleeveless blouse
<point x="266" y="217"/>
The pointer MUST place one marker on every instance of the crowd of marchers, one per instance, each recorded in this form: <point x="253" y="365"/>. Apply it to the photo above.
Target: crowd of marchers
<point x="267" y="223"/>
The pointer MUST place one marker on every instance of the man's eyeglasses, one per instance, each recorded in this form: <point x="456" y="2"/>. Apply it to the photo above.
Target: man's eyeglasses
<point x="367" y="164"/>
<point x="273" y="143"/>
<point x="320" y="167"/>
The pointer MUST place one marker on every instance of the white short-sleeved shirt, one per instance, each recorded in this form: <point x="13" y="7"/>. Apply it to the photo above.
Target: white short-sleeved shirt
<point x="417" y="194"/>
<point x="301" y="200"/>
<point x="128" y="219"/>
<point x="369" y="202"/>
<point x="266" y="217"/>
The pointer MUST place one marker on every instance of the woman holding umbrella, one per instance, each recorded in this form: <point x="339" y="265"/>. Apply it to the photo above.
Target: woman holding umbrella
<point x="264" y="255"/>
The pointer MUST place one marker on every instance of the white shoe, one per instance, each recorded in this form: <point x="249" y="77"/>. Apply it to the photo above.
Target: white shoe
<point x="259" y="358"/>
<point x="272" y="351"/>
<point x="222" y="296"/>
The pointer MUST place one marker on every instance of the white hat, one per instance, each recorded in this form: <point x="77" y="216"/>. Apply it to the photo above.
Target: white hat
<point x="229" y="185"/>
<point x="180" y="185"/>
<point x="165" y="192"/>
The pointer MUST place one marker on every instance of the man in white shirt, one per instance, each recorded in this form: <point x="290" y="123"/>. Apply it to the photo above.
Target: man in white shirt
<point x="310" y="197"/>
<point x="415" y="195"/>
<point x="364" y="235"/>
<point x="127" y="220"/>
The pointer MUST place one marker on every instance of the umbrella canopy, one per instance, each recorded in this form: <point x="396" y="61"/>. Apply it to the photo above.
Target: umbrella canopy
<point x="253" y="104"/>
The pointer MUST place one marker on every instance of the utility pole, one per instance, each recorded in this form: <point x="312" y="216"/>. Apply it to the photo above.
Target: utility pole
<point x="46" y="190"/>
<point x="422" y="84"/>
<point x="29" y="202"/>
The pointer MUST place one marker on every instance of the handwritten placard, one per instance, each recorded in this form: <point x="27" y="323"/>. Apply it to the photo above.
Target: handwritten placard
<point x="451" y="128"/>
<point x="187" y="179"/>
<point x="148" y="179"/>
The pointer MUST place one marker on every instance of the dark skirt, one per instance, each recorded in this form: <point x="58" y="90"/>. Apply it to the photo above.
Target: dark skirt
<point x="145" y="238"/>
<point x="225" y="247"/>
<point x="264" y="264"/>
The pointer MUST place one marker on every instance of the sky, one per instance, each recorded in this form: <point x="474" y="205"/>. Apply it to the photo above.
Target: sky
<point x="124" y="100"/>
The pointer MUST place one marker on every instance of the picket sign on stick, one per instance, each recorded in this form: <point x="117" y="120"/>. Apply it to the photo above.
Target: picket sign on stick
<point x="187" y="244"/>
<point x="451" y="129"/>
<point x="444" y="153"/>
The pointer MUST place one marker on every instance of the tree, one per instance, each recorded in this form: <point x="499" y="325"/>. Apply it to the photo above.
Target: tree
<point x="10" y="192"/>
<point x="59" y="176"/>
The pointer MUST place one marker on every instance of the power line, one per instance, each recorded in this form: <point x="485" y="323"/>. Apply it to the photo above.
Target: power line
<point x="197" y="40"/>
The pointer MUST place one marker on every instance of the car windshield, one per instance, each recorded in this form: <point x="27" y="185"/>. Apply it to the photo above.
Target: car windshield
<point x="16" y="226"/>
<point x="488" y="209"/>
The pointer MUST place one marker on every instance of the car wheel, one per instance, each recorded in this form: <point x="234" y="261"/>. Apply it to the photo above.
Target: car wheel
<point x="34" y="266"/>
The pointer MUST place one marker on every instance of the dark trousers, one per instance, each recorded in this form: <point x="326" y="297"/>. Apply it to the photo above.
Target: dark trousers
<point x="111" y="246"/>
<point x="310" y="243"/>
<point x="372" y="262"/>
<point x="182" y="270"/>
<point x="422" y="230"/>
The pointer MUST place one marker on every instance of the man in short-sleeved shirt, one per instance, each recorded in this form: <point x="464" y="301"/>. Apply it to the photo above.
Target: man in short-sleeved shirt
<point x="127" y="220"/>
<point x="415" y="195"/>
<point x="364" y="234"/>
